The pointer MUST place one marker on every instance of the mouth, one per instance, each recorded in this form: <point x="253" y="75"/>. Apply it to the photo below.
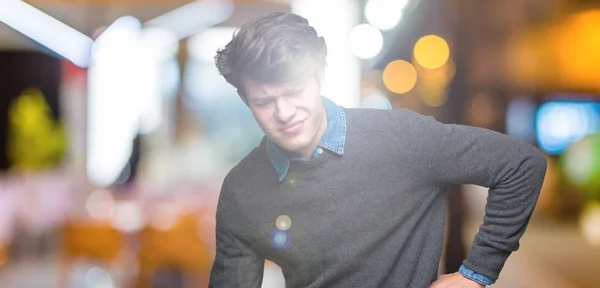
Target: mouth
<point x="291" y="128"/>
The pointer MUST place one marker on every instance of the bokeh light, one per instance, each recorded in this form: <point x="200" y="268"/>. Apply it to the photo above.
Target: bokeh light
<point x="128" y="217"/>
<point x="433" y="83"/>
<point x="283" y="222"/>
<point x="559" y="124"/>
<point x="589" y="223"/>
<point x="431" y="51"/>
<point x="280" y="239"/>
<point x="384" y="14"/>
<point x="581" y="165"/>
<point x="365" y="41"/>
<point x="165" y="217"/>
<point x="100" y="204"/>
<point x="97" y="277"/>
<point x="375" y="99"/>
<point x="399" y="76"/>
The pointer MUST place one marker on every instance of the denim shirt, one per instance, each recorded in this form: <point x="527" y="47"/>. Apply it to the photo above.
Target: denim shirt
<point x="333" y="139"/>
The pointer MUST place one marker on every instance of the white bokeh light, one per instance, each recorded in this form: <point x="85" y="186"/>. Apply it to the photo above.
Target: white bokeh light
<point x="384" y="14"/>
<point x="127" y="217"/>
<point x="365" y="41"/>
<point x="100" y="204"/>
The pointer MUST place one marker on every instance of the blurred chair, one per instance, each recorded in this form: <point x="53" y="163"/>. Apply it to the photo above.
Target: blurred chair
<point x="3" y="256"/>
<point x="96" y="241"/>
<point x="176" y="248"/>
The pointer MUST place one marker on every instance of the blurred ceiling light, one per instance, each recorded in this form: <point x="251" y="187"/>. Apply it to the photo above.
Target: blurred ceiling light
<point x="431" y="51"/>
<point x="159" y="43"/>
<point x="155" y="46"/>
<point x="384" y="14"/>
<point x="399" y="76"/>
<point x="46" y="30"/>
<point x="365" y="41"/>
<point x="203" y="46"/>
<point x="196" y="16"/>
<point x="343" y="68"/>
<point x="112" y="100"/>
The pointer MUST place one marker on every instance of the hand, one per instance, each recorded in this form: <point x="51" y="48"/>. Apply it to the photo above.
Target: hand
<point x="455" y="280"/>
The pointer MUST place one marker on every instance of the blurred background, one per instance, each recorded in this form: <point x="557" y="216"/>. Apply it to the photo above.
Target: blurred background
<point x="116" y="129"/>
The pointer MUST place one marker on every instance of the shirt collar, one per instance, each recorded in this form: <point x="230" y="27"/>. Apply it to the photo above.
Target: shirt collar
<point x="333" y="139"/>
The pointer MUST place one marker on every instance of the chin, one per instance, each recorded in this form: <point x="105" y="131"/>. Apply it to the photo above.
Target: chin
<point x="293" y="145"/>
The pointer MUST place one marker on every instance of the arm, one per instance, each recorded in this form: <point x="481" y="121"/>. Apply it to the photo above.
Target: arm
<point x="513" y="170"/>
<point x="236" y="264"/>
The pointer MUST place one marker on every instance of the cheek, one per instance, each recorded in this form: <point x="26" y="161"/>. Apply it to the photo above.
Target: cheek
<point x="263" y="118"/>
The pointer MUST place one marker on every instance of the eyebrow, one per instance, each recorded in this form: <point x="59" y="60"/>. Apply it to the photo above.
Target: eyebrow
<point x="294" y="89"/>
<point x="265" y="98"/>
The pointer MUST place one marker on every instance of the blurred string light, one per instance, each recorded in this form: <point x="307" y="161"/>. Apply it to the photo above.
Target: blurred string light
<point x="559" y="124"/>
<point x="196" y="16"/>
<point x="384" y="14"/>
<point x="46" y="30"/>
<point x="520" y="119"/>
<point x="365" y="41"/>
<point x="431" y="51"/>
<point x="433" y="83"/>
<point x="399" y="76"/>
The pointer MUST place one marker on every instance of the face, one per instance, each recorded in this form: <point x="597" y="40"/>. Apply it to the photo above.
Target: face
<point x="291" y="114"/>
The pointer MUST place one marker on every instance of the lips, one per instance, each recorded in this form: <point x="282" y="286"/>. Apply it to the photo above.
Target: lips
<point x="291" y="128"/>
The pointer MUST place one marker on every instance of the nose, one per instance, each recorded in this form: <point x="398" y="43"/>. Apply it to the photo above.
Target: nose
<point x="285" y="111"/>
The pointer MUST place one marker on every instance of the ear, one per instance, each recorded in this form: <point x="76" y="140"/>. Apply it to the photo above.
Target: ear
<point x="321" y="75"/>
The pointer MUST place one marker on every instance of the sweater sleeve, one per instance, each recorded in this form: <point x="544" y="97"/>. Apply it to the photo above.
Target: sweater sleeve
<point x="236" y="264"/>
<point x="512" y="169"/>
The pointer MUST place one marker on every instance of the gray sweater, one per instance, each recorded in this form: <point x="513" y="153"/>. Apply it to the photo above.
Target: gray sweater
<point x="374" y="216"/>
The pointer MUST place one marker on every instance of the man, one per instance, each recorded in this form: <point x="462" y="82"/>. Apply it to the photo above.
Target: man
<point x="354" y="197"/>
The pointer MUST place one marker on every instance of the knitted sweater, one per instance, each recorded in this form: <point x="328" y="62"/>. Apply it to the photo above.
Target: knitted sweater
<point x="374" y="216"/>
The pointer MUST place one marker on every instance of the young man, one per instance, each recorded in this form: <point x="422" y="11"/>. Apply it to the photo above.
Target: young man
<point x="354" y="197"/>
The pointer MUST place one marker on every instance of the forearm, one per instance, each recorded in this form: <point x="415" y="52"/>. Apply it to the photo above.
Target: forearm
<point x="509" y="207"/>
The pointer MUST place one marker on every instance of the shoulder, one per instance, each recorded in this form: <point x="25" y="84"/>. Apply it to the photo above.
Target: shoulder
<point x="386" y="120"/>
<point x="239" y="179"/>
<point x="252" y="164"/>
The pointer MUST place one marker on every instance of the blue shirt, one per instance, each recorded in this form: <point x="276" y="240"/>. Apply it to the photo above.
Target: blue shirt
<point x="333" y="139"/>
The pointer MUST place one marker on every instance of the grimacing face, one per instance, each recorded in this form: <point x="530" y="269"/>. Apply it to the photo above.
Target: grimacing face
<point x="290" y="114"/>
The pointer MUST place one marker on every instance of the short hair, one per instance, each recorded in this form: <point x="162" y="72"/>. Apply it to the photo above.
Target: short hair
<point x="273" y="49"/>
